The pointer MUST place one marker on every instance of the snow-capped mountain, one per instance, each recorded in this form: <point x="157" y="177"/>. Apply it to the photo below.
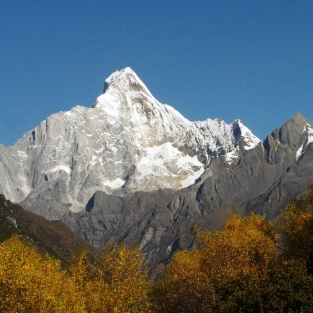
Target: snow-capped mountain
<point x="127" y="141"/>
<point x="132" y="169"/>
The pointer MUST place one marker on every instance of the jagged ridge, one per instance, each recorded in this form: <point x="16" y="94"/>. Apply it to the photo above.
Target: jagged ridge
<point x="128" y="141"/>
<point x="262" y="180"/>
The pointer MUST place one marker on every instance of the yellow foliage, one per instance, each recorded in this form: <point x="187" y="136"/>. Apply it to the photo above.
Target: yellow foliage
<point x="184" y="286"/>
<point x="124" y="286"/>
<point x="297" y="226"/>
<point x="118" y="284"/>
<point x="245" y="246"/>
<point x="227" y="264"/>
<point x="240" y="268"/>
<point x="30" y="282"/>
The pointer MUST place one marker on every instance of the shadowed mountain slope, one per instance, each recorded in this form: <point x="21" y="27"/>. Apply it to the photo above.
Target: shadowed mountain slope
<point x="51" y="237"/>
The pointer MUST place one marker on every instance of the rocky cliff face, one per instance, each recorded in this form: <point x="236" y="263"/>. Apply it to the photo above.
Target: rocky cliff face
<point x="261" y="180"/>
<point x="128" y="141"/>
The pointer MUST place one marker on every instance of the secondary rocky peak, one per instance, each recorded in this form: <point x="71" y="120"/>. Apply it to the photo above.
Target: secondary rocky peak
<point x="236" y="129"/>
<point x="243" y="134"/>
<point x="299" y="117"/>
<point x="290" y="139"/>
<point x="291" y="131"/>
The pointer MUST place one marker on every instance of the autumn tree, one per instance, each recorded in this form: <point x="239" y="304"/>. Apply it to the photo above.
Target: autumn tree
<point x="296" y="225"/>
<point x="118" y="284"/>
<point x="184" y="287"/>
<point x="30" y="282"/>
<point x="125" y="284"/>
<point x="224" y="273"/>
<point x="237" y="260"/>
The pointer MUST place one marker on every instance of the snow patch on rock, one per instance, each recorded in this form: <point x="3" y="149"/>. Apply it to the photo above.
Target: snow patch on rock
<point x="308" y="130"/>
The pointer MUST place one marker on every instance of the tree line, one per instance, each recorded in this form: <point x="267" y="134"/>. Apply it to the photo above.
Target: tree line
<point x="250" y="265"/>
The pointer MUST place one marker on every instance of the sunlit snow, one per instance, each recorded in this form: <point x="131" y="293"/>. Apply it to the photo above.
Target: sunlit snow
<point x="114" y="184"/>
<point x="309" y="130"/>
<point x="166" y="160"/>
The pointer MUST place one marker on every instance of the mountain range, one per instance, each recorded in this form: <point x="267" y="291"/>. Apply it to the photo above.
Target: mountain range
<point x="135" y="170"/>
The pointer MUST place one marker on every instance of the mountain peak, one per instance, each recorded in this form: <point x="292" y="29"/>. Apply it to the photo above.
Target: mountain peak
<point x="121" y="87"/>
<point x="291" y="129"/>
<point x="299" y="118"/>
<point x="118" y="75"/>
<point x="241" y="132"/>
<point x="125" y="80"/>
<point x="295" y="133"/>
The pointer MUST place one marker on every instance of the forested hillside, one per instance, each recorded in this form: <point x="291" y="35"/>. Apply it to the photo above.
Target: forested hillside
<point x="51" y="237"/>
<point x="250" y="265"/>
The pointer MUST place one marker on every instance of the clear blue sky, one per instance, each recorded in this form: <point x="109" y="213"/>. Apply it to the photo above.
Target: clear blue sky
<point x="250" y="59"/>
